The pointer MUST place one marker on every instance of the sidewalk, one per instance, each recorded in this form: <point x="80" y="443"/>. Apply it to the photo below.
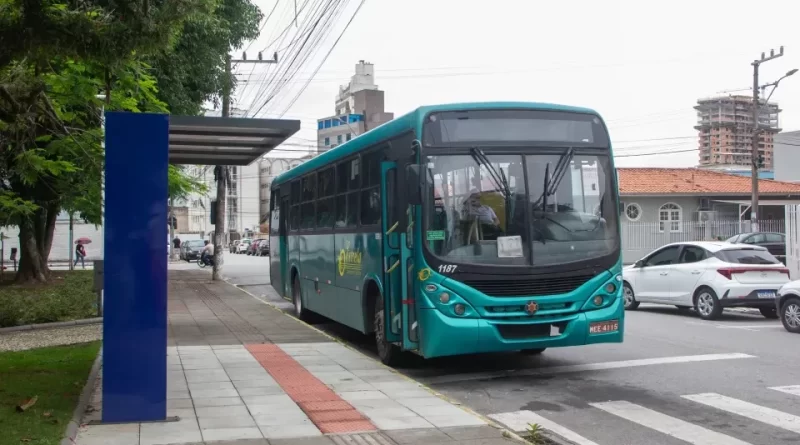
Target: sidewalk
<point x="242" y="372"/>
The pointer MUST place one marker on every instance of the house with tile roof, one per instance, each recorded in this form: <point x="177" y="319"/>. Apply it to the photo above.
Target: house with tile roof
<point x="663" y="205"/>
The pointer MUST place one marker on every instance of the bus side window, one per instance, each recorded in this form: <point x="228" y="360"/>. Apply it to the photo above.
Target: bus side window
<point x="294" y="208"/>
<point x="371" y="191"/>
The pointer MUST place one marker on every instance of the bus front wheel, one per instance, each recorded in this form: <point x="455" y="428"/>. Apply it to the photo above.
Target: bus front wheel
<point x="297" y="298"/>
<point x="389" y="353"/>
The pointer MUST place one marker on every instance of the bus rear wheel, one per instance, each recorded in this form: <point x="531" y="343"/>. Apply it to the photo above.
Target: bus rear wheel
<point x="390" y="354"/>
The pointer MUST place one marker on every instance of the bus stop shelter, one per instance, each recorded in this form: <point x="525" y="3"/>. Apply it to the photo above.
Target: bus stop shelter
<point x="139" y="147"/>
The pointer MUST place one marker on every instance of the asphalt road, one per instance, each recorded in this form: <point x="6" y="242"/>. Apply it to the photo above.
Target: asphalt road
<point x="675" y="380"/>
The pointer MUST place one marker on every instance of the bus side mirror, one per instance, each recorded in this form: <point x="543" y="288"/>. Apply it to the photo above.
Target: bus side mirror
<point x="413" y="184"/>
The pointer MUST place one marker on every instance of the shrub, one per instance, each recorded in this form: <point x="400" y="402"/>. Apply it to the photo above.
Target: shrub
<point x="67" y="296"/>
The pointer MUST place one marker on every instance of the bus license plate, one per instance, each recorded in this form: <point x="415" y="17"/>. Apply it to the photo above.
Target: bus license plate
<point x="766" y="294"/>
<point x="601" y="327"/>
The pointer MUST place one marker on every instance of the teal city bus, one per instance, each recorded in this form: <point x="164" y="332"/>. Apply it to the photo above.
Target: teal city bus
<point x="458" y="229"/>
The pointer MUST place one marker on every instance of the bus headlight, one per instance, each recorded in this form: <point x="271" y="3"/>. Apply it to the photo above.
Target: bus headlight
<point x="610" y="288"/>
<point x="598" y="300"/>
<point x="459" y="309"/>
<point x="444" y="298"/>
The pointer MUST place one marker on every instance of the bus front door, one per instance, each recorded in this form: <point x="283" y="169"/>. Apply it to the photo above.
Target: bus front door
<point x="392" y="270"/>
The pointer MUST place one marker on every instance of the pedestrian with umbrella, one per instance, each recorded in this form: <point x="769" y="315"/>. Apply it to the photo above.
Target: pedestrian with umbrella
<point x="80" y="251"/>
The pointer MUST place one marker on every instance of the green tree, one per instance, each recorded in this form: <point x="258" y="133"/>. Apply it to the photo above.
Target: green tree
<point x="62" y="168"/>
<point x="193" y="71"/>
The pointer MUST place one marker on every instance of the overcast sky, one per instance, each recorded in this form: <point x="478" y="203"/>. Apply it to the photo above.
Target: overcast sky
<point x="641" y="64"/>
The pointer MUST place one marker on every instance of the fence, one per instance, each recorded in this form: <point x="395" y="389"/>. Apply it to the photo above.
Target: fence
<point x="641" y="238"/>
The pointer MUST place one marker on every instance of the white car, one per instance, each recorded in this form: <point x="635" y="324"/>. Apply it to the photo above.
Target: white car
<point x="243" y="245"/>
<point x="708" y="276"/>
<point x="788" y="306"/>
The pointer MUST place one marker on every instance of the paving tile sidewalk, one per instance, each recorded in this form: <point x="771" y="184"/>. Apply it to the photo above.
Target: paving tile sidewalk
<point x="242" y="372"/>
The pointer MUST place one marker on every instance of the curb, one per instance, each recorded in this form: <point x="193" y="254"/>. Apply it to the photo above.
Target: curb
<point x="503" y="431"/>
<point x="58" y="324"/>
<point x="83" y="401"/>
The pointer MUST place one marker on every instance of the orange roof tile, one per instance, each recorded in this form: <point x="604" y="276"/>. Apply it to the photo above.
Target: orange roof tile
<point x="695" y="181"/>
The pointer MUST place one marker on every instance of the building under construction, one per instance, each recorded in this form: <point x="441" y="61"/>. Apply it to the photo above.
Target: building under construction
<point x="725" y="126"/>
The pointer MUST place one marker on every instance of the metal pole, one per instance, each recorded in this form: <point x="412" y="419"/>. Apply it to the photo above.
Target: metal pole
<point x="171" y="229"/>
<point x="754" y="153"/>
<point x="222" y="177"/>
<point x="222" y="171"/>
<point x="71" y="241"/>
<point x="754" y="156"/>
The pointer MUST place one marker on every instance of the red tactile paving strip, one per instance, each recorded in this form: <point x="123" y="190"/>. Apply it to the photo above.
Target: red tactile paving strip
<point x="328" y="411"/>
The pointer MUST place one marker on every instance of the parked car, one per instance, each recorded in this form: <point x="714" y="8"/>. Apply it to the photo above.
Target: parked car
<point x="232" y="246"/>
<point x="263" y="248"/>
<point x="788" y="306"/>
<point x="773" y="241"/>
<point x="243" y="245"/>
<point x="256" y="246"/>
<point x="190" y="250"/>
<point x="706" y="276"/>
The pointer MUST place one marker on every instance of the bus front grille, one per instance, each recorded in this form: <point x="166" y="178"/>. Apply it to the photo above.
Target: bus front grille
<point x="529" y="287"/>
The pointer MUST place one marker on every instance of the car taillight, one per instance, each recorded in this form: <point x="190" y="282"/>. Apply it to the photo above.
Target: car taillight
<point x="729" y="271"/>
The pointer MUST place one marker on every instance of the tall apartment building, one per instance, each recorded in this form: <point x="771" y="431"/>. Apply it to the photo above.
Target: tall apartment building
<point x="359" y="108"/>
<point x="725" y="126"/>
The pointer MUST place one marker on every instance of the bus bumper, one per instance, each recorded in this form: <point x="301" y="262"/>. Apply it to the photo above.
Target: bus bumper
<point x="444" y="336"/>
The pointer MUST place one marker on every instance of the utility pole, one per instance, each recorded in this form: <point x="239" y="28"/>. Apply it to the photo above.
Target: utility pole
<point x="754" y="156"/>
<point x="221" y="172"/>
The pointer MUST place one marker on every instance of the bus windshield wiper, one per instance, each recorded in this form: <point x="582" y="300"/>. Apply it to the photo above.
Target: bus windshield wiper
<point x="499" y="178"/>
<point x="551" y="184"/>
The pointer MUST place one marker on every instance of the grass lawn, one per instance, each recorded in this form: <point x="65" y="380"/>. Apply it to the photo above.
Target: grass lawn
<point x="67" y="296"/>
<point x="57" y="376"/>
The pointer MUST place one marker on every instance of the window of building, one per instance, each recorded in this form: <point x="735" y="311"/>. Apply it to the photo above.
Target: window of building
<point x="339" y="139"/>
<point x="327" y="123"/>
<point x="670" y="217"/>
<point x="633" y="211"/>
<point x="320" y="125"/>
<point x="348" y="136"/>
<point x="327" y="141"/>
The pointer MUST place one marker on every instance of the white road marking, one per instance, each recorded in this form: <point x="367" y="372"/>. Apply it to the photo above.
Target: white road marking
<point x="668" y="425"/>
<point x="793" y="390"/>
<point x="518" y="421"/>
<point x="762" y="414"/>
<point x="453" y="378"/>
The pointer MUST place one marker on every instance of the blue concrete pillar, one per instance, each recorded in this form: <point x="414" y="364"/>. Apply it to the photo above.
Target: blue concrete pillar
<point x="135" y="282"/>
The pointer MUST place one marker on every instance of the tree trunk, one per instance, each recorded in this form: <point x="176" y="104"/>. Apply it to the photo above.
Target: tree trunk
<point x="35" y="242"/>
<point x="31" y="265"/>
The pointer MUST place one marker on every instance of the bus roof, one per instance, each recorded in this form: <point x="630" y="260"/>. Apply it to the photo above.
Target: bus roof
<point x="409" y="121"/>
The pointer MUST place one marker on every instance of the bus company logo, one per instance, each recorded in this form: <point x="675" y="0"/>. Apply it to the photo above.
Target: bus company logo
<point x="349" y="261"/>
<point x="531" y="307"/>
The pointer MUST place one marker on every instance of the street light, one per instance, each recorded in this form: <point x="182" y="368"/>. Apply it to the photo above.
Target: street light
<point x="774" y="85"/>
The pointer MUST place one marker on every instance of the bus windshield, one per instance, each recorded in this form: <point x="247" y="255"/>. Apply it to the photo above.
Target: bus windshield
<point x="512" y="209"/>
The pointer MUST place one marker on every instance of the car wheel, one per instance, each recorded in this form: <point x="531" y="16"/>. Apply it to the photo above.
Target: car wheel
<point x="790" y="315"/>
<point x="390" y="354"/>
<point x="629" y="298"/>
<point x="707" y="304"/>
<point x="769" y="312"/>
<point x="534" y="351"/>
